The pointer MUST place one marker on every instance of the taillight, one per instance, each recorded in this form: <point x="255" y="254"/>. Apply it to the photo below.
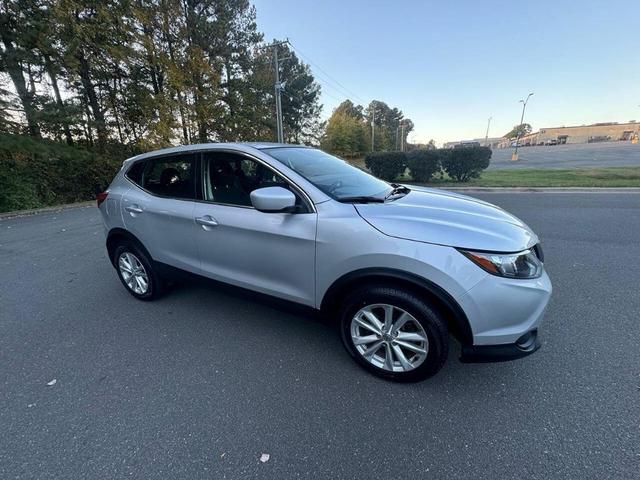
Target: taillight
<point x="101" y="197"/>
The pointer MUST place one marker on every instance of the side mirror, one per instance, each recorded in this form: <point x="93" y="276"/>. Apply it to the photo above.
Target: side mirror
<point x="273" y="200"/>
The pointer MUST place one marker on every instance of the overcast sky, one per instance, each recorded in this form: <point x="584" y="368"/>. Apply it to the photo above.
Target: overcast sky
<point x="449" y="65"/>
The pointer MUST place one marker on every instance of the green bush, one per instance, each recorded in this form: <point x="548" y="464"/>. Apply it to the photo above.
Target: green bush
<point x="37" y="173"/>
<point x="386" y="165"/>
<point x="463" y="164"/>
<point x="423" y="164"/>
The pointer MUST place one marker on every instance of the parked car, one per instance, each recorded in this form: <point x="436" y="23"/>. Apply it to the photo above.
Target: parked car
<point x="400" y="268"/>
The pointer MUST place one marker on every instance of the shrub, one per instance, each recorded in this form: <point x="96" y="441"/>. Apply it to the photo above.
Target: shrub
<point x="36" y="173"/>
<point x="386" y="165"/>
<point x="463" y="164"/>
<point x="423" y="164"/>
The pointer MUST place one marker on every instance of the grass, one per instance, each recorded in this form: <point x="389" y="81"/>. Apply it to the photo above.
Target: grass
<point x="593" y="177"/>
<point x="587" y="177"/>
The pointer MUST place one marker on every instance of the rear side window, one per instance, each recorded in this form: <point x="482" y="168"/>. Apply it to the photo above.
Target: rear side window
<point x="135" y="172"/>
<point x="171" y="176"/>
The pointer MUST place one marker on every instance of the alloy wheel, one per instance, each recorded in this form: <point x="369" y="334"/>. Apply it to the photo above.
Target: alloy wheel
<point x="388" y="337"/>
<point x="133" y="273"/>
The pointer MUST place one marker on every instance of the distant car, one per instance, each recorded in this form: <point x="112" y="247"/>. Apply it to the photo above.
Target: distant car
<point x="400" y="268"/>
<point x="553" y="141"/>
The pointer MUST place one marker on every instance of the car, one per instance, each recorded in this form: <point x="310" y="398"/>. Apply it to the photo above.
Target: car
<point x="401" y="269"/>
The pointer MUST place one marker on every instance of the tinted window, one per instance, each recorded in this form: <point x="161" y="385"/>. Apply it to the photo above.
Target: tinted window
<point x="170" y="176"/>
<point x="230" y="178"/>
<point x="135" y="172"/>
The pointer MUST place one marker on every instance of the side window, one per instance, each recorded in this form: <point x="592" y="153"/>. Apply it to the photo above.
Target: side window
<point x="170" y="176"/>
<point x="135" y="172"/>
<point x="230" y="178"/>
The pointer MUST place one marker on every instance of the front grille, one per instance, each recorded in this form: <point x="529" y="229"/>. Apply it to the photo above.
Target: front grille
<point x="537" y="248"/>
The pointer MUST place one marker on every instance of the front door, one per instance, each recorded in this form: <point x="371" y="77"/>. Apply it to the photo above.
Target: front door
<point x="272" y="253"/>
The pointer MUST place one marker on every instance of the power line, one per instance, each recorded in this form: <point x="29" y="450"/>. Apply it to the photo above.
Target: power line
<point x="328" y="76"/>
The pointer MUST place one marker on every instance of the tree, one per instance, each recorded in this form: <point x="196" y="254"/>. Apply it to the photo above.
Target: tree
<point x="16" y="31"/>
<point x="519" y="131"/>
<point x="344" y="135"/>
<point x="147" y="73"/>
<point x="388" y="126"/>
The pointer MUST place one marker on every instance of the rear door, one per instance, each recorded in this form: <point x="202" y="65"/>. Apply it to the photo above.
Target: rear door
<point x="159" y="208"/>
<point x="273" y="253"/>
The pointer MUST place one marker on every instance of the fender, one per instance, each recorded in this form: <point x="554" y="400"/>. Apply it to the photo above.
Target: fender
<point x="455" y="315"/>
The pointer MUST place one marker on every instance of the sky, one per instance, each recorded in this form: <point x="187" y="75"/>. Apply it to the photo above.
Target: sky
<point x="450" y="65"/>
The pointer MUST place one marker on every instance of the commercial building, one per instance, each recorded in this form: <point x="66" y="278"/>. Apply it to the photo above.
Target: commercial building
<point x="598" y="132"/>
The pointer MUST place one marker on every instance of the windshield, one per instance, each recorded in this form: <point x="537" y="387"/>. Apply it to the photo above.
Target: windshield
<point x="333" y="176"/>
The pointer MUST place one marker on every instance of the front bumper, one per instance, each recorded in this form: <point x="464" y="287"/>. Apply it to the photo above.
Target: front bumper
<point x="501" y="310"/>
<point x="525" y="345"/>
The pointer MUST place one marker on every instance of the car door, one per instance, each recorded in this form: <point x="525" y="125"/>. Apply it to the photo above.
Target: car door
<point x="272" y="253"/>
<point x="158" y="210"/>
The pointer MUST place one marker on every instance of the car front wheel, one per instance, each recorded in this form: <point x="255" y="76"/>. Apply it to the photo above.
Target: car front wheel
<point x="394" y="334"/>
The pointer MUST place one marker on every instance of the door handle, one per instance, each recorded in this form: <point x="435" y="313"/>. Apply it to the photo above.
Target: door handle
<point x="133" y="209"/>
<point x="207" y="221"/>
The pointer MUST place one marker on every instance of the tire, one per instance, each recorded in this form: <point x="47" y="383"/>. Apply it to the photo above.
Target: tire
<point x="154" y="285"/>
<point x="422" y="358"/>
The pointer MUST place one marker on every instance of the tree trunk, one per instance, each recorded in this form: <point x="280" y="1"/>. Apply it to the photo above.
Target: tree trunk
<point x="56" y="90"/>
<point x="98" y="114"/>
<point x="26" y="97"/>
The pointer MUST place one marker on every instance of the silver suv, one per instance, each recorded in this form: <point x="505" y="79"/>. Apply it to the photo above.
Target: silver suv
<point x="400" y="268"/>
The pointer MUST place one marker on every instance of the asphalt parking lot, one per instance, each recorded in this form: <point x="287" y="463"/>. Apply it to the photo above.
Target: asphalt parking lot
<point x="585" y="155"/>
<point x="203" y="382"/>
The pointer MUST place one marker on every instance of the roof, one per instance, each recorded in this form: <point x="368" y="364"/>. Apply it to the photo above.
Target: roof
<point x="241" y="146"/>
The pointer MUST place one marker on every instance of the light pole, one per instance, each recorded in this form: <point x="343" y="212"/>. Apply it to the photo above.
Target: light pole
<point x="514" y="157"/>
<point x="373" y="129"/>
<point x="486" y="137"/>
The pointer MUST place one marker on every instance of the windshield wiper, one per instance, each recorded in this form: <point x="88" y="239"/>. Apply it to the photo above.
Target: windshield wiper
<point x="397" y="190"/>
<point x="361" y="199"/>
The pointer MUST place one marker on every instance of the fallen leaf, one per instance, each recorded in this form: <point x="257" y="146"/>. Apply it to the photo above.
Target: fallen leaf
<point x="222" y="456"/>
<point x="264" y="457"/>
<point x="52" y="382"/>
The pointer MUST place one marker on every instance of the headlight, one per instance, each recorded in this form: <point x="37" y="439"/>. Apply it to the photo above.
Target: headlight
<point x="523" y="264"/>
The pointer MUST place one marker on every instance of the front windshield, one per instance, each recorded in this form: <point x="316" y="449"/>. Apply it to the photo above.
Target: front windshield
<point x="333" y="176"/>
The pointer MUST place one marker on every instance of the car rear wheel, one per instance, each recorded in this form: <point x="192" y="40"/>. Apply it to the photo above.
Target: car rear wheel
<point x="394" y="334"/>
<point x="136" y="272"/>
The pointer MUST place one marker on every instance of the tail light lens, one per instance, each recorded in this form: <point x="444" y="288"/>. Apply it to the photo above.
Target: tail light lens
<point x="101" y="197"/>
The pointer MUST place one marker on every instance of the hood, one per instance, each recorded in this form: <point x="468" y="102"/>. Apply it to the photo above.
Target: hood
<point x="445" y="218"/>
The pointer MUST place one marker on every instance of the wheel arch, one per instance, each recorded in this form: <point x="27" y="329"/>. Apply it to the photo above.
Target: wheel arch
<point x="456" y="318"/>
<point x="117" y="236"/>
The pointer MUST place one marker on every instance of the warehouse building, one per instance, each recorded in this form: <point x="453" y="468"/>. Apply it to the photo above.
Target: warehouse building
<point x="598" y="132"/>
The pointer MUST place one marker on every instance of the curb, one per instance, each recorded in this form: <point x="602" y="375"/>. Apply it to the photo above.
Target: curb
<point x="38" y="211"/>
<point x="542" y="189"/>
<point x="636" y="190"/>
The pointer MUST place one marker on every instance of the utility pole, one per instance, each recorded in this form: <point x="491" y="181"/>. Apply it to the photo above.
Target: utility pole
<point x="514" y="157"/>
<point x="278" y="86"/>
<point x="398" y="137"/>
<point x="402" y="139"/>
<point x="486" y="137"/>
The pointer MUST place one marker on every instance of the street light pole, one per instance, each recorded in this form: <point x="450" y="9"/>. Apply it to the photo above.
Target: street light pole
<point x="514" y="157"/>
<point x="373" y="129"/>
<point x="486" y="137"/>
